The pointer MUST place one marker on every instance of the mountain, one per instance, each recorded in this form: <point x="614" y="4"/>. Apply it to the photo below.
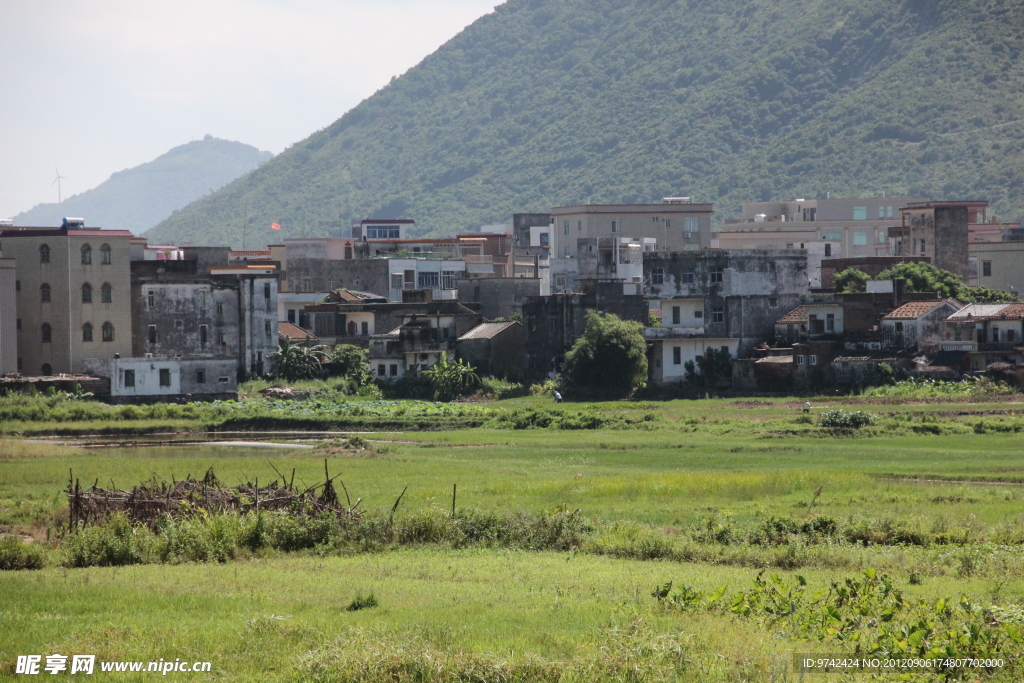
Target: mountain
<point x="552" y="102"/>
<point x="138" y="198"/>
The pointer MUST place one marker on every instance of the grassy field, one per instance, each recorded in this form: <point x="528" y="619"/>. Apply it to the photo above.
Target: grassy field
<point x="704" y="494"/>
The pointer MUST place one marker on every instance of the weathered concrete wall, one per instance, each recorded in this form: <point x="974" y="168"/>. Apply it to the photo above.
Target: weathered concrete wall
<point x="951" y="239"/>
<point x="498" y="297"/>
<point x="498" y="356"/>
<point x="8" y="317"/>
<point x="309" y="272"/>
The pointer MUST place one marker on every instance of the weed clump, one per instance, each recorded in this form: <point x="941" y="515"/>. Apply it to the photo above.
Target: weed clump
<point x="361" y="601"/>
<point x="16" y="554"/>
<point x="846" y="419"/>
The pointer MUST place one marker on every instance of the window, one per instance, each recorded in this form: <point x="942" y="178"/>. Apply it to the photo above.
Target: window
<point x="579" y="226"/>
<point x="108" y="332"/>
<point x="828" y="250"/>
<point x="668" y="222"/>
<point x="860" y="239"/>
<point x="830" y="322"/>
<point x="860" y="213"/>
<point x="46" y="370"/>
<point x="200" y="376"/>
<point x="800" y="360"/>
<point x="396" y="281"/>
<point x="179" y="324"/>
<point x="105" y="254"/>
<point x="922" y="246"/>
<point x="220" y="310"/>
<point x="567" y="252"/>
<point x="106" y="293"/>
<point x="381" y="370"/>
<point x="152" y="334"/>
<point x="691" y="225"/>
<point x="151" y="298"/>
<point x="86" y="255"/>
<point x="773" y="302"/>
<point x="44" y="293"/>
<point x="658" y="276"/>
<point x="291" y="315"/>
<point x="832" y="236"/>
<point x="307" y="285"/>
<point x="882" y="237"/>
<point x="203" y="334"/>
<point x="429" y="280"/>
<point x="394" y="370"/>
<point x="266" y="290"/>
<point x="986" y="268"/>
<point x="365" y="328"/>
<point x="676" y="315"/>
<point x="44" y="253"/>
<point x="86" y="293"/>
<point x="812" y="360"/>
<point x="202" y="298"/>
<point x="46" y="333"/>
<point x="688" y="277"/>
<point x="716" y="275"/>
<point x="165" y="377"/>
<point x="449" y="279"/>
<point x="266" y="328"/>
<point x="615" y="226"/>
<point x="220" y="338"/>
<point x="565" y="227"/>
<point x="888" y="212"/>
<point x="87" y="332"/>
<point x="881" y="214"/>
<point x="544" y="239"/>
<point x="129" y="378"/>
<point x="718" y="314"/>
<point x="560" y="281"/>
<point x="698" y="314"/>
<point x="259" y="358"/>
<point x="677" y="355"/>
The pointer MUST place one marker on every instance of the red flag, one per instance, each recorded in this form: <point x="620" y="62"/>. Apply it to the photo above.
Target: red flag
<point x="275" y="226"/>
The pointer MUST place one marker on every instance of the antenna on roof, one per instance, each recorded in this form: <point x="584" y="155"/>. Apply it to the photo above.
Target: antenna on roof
<point x="56" y="181"/>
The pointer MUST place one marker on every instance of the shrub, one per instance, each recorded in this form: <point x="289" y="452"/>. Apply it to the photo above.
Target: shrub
<point x="498" y="389"/>
<point x="609" y="359"/>
<point x="846" y="419"/>
<point x="112" y="544"/>
<point x="16" y="554"/>
<point x="362" y="602"/>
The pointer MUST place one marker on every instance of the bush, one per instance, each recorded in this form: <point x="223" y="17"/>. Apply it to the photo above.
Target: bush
<point x="846" y="419"/>
<point x="610" y="359"/>
<point x="498" y="389"/>
<point x="113" y="544"/>
<point x="16" y="554"/>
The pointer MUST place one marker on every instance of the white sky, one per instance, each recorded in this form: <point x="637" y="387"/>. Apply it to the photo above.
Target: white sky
<point x="97" y="86"/>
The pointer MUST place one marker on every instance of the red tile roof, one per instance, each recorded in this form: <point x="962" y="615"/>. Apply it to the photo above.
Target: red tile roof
<point x="295" y="333"/>
<point x="913" y="310"/>
<point x="797" y="315"/>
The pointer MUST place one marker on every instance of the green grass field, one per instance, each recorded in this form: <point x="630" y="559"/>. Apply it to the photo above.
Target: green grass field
<point x="704" y="494"/>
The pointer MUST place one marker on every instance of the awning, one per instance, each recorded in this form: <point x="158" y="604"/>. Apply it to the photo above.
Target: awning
<point x="947" y="359"/>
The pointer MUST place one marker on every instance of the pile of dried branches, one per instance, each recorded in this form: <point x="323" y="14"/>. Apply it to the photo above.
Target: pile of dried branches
<point x="150" y="501"/>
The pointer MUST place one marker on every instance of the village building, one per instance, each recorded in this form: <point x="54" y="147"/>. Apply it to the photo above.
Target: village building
<point x="494" y="349"/>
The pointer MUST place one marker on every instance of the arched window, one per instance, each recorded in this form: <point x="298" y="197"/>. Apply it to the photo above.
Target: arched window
<point x="106" y="293"/>
<point x="44" y="293"/>
<point x="108" y="332"/>
<point x="47" y="371"/>
<point x="44" y="254"/>
<point x="87" y="332"/>
<point x="47" y="333"/>
<point x="86" y="293"/>
<point x="86" y="255"/>
<point x="105" y="254"/>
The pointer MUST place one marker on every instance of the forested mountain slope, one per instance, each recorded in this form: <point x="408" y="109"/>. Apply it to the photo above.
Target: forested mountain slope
<point x="138" y="198"/>
<point x="552" y="102"/>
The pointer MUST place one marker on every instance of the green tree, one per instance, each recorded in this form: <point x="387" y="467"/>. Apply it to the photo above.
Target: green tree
<point x="451" y="379"/>
<point x="709" y="368"/>
<point x="296" y="361"/>
<point x="350" y="361"/>
<point x="851" y="281"/>
<point x="925" y="277"/>
<point x="609" y="359"/>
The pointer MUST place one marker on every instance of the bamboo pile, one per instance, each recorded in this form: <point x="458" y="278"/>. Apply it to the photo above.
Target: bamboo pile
<point x="150" y="501"/>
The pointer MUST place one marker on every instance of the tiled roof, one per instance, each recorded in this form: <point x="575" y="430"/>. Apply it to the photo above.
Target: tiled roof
<point x="797" y="315"/>
<point x="863" y="359"/>
<point x="295" y="333"/>
<point x="975" y="311"/>
<point x="487" y="330"/>
<point x="913" y="310"/>
<point x="775" y="359"/>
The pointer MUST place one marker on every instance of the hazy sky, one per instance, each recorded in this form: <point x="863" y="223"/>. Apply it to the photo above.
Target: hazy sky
<point x="97" y="86"/>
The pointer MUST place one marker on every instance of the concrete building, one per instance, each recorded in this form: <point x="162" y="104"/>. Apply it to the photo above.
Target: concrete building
<point x="499" y="297"/>
<point x="938" y="230"/>
<point x="420" y="340"/>
<point x="997" y="265"/>
<point x="184" y="310"/>
<point x="8" y="317"/>
<point x="613" y="259"/>
<point x="135" y="380"/>
<point x="917" y="326"/>
<point x="72" y="296"/>
<point x="494" y="349"/>
<point x="826" y="228"/>
<point x="979" y="335"/>
<point x="743" y="291"/>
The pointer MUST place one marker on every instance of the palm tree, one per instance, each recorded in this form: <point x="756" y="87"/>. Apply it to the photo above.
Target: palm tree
<point x="292" y="361"/>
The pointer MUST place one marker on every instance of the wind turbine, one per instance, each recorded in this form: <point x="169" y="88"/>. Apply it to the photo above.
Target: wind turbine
<point x="56" y="182"/>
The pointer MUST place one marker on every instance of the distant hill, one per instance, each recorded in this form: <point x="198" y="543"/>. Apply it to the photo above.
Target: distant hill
<point x="552" y="102"/>
<point x="138" y="198"/>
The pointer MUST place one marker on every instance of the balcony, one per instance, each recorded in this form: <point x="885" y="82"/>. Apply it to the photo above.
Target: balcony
<point x="673" y="332"/>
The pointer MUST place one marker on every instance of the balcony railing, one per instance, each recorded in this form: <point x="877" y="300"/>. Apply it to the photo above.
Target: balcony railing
<point x="959" y="346"/>
<point x="673" y="331"/>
